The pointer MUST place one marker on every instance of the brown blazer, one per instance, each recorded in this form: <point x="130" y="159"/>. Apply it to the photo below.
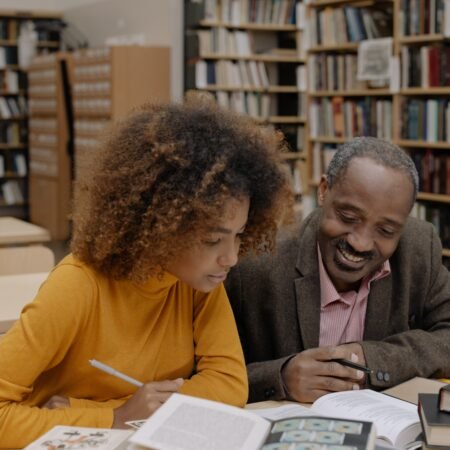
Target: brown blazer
<point x="276" y="302"/>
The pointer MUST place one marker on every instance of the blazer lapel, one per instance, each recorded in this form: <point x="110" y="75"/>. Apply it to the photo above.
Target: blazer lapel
<point x="378" y="309"/>
<point x="307" y="286"/>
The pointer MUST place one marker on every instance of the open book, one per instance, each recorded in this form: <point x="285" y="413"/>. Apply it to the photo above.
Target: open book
<point x="182" y="419"/>
<point x="190" y="423"/>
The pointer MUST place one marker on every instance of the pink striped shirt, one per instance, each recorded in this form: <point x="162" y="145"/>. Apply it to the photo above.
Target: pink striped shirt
<point x="342" y="314"/>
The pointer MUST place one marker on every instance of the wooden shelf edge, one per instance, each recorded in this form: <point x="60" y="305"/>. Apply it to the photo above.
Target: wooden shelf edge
<point x="407" y="143"/>
<point x="428" y="196"/>
<point x="248" y="25"/>
<point x="355" y="93"/>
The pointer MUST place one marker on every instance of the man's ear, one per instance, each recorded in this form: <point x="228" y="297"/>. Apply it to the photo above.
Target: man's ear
<point x="322" y="190"/>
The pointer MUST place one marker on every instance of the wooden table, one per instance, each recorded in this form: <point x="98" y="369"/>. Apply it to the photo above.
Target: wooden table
<point x="16" y="231"/>
<point x="16" y="292"/>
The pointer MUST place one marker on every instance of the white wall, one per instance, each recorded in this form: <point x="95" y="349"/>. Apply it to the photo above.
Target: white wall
<point x="41" y="5"/>
<point x="152" y="22"/>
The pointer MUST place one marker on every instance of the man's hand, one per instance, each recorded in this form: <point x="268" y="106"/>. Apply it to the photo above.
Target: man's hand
<point x="311" y="373"/>
<point x="146" y="400"/>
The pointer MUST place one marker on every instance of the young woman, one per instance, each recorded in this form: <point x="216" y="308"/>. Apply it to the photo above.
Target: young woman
<point x="160" y="215"/>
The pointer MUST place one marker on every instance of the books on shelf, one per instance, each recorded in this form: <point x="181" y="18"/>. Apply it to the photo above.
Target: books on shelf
<point x="247" y="11"/>
<point x="189" y="422"/>
<point x="422" y="17"/>
<point x="438" y="215"/>
<point x="12" y="193"/>
<point x="339" y="117"/>
<point x="435" y="423"/>
<point x="425" y="119"/>
<point x="342" y="25"/>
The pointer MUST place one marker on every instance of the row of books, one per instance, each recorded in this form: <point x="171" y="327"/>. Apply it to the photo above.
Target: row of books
<point x="438" y="215"/>
<point x="235" y="42"/>
<point x="12" y="107"/>
<point x="425" y="66"/>
<point x="12" y="81"/>
<point x="422" y="17"/>
<point x="321" y="155"/>
<point x="9" y="29"/>
<point x="426" y="119"/>
<point x="12" y="133"/>
<point x="47" y="30"/>
<point x="12" y="193"/>
<point x="244" y="11"/>
<point x="296" y="172"/>
<point x="243" y="74"/>
<point x="331" y="72"/>
<point x="8" y="56"/>
<point x="13" y="164"/>
<point x="252" y="103"/>
<point x="337" y="117"/>
<point x="434" y="171"/>
<point x="334" y="26"/>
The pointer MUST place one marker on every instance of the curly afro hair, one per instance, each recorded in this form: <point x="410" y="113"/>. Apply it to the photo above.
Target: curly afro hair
<point x="161" y="179"/>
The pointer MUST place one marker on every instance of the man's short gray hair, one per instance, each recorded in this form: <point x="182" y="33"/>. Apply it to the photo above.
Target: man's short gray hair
<point x="381" y="151"/>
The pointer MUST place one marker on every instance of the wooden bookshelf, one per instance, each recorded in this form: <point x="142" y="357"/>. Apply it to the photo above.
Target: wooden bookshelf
<point x="108" y="83"/>
<point x="423" y="95"/>
<point x="254" y="61"/>
<point x="14" y="154"/>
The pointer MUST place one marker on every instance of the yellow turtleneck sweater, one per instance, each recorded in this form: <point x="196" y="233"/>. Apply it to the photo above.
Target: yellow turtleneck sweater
<point x="159" y="330"/>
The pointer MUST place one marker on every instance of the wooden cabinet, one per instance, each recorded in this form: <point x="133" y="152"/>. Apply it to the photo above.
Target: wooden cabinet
<point x="108" y="83"/>
<point x="50" y="151"/>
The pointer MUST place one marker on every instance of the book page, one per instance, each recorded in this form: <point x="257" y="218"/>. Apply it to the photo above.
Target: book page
<point x="391" y="416"/>
<point x="194" y="424"/>
<point x="282" y="412"/>
<point x="71" y="438"/>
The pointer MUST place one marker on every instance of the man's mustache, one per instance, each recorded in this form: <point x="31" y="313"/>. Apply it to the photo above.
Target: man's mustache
<point x="342" y="244"/>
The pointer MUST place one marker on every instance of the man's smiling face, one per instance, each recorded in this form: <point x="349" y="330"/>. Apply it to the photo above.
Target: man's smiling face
<point x="362" y="218"/>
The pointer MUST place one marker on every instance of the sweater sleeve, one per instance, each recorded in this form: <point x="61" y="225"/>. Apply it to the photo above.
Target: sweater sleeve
<point x="220" y="369"/>
<point x="36" y="343"/>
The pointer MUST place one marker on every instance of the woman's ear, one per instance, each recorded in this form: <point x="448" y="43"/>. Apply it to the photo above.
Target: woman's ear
<point x="322" y="190"/>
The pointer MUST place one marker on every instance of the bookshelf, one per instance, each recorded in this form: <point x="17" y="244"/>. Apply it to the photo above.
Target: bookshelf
<point x="422" y="125"/>
<point x="340" y="106"/>
<point x="14" y="200"/>
<point x="108" y="83"/>
<point x="251" y="56"/>
<point x="50" y="145"/>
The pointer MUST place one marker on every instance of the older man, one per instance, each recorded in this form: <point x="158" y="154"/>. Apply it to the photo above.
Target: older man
<point x="359" y="280"/>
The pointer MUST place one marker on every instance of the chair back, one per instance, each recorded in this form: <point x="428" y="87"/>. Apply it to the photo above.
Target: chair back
<point x="26" y="259"/>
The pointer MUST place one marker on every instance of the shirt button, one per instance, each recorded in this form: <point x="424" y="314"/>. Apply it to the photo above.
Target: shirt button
<point x="380" y="375"/>
<point x="386" y="376"/>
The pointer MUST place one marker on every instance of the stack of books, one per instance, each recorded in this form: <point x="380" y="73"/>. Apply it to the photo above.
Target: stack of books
<point x="434" y="412"/>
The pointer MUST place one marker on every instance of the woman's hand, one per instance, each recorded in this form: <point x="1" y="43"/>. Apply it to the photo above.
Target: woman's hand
<point x="145" y="401"/>
<point x="56" y="401"/>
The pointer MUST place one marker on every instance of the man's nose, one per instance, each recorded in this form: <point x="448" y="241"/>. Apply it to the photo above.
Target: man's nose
<point x="361" y="240"/>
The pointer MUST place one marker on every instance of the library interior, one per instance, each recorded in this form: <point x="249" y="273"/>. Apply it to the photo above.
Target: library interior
<point x="321" y="88"/>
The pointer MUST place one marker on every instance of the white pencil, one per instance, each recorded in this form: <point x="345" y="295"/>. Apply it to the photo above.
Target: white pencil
<point x="114" y="372"/>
